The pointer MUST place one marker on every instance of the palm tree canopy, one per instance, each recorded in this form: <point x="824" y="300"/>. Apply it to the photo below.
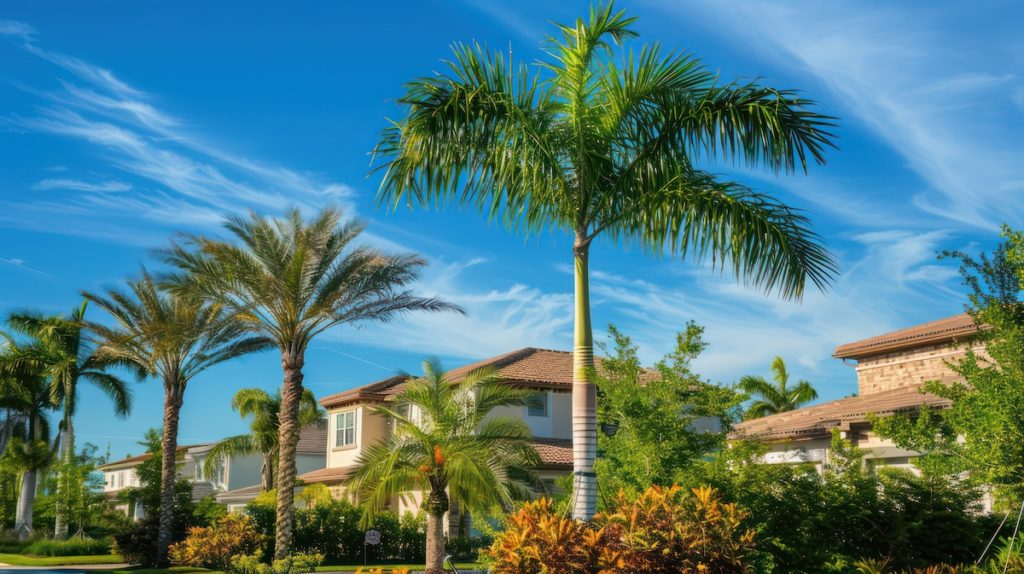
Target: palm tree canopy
<point x="172" y="336"/>
<point x="289" y="279"/>
<point x="59" y="346"/>
<point x="262" y="409"/>
<point x="589" y="143"/>
<point x="481" y="460"/>
<point x="776" y="398"/>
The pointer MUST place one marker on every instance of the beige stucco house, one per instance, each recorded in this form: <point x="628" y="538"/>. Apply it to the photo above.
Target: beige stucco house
<point x="891" y="370"/>
<point x="353" y="425"/>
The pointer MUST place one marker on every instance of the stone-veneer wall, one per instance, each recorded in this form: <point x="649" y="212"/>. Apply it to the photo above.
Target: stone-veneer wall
<point x="909" y="367"/>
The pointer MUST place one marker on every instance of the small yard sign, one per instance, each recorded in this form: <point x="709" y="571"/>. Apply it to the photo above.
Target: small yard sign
<point x="373" y="537"/>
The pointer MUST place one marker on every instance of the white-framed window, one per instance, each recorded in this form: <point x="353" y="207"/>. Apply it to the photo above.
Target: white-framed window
<point x="120" y="479"/>
<point x="199" y="469"/>
<point x="537" y="404"/>
<point x="345" y="429"/>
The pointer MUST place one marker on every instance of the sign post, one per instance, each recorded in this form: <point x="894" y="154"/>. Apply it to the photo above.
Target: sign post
<point x="372" y="537"/>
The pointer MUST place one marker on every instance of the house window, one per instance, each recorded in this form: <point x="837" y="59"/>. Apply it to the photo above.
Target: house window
<point x="345" y="429"/>
<point x="537" y="405"/>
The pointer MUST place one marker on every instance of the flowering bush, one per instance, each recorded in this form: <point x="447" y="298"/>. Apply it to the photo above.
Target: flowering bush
<point x="295" y="564"/>
<point x="661" y="531"/>
<point x="215" y="546"/>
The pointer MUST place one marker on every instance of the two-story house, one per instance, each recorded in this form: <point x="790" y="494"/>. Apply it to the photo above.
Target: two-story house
<point x="891" y="370"/>
<point x="354" y="425"/>
<point x="234" y="481"/>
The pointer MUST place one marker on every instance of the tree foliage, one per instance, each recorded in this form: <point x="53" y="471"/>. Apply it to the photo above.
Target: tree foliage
<point x="780" y="397"/>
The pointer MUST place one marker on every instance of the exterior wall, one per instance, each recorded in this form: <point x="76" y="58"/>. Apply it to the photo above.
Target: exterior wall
<point x="303" y="463"/>
<point x="243" y="471"/>
<point x="370" y="428"/>
<point x="906" y="368"/>
<point x="557" y="423"/>
<point x="116" y="479"/>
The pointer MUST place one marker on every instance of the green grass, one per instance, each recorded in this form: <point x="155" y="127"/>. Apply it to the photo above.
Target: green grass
<point x="23" y="560"/>
<point x="141" y="570"/>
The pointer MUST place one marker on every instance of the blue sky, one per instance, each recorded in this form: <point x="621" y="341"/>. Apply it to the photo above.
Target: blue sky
<point x="123" y="122"/>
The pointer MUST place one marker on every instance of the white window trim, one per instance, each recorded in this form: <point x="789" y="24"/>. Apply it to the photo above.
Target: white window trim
<point x="355" y="430"/>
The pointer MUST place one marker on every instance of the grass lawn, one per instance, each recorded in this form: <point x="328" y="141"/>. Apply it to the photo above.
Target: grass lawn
<point x="23" y="560"/>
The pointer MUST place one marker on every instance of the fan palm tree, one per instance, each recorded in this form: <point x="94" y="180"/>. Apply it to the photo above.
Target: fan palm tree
<point x="457" y="451"/>
<point x="264" y="409"/>
<point x="26" y="398"/>
<point x="290" y="280"/>
<point x="597" y="147"/>
<point x="59" y="346"/>
<point x="776" y="398"/>
<point x="175" y="338"/>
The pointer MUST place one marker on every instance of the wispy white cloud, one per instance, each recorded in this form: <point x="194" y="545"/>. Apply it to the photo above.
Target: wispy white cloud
<point x="78" y="185"/>
<point x="23" y="265"/>
<point x="173" y="177"/>
<point x="902" y="73"/>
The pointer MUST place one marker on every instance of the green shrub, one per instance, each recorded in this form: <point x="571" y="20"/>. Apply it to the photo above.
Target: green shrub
<point x="71" y="547"/>
<point x="295" y="564"/>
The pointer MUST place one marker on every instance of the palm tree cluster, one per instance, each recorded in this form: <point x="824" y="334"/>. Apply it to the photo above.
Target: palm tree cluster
<point x="772" y="399"/>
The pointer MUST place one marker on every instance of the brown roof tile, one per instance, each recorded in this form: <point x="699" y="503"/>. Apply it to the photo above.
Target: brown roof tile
<point x="132" y="460"/>
<point x="941" y="331"/>
<point x="554" y="451"/>
<point x="312" y="440"/>
<point x="329" y="475"/>
<point x="540" y="368"/>
<point x="819" y="420"/>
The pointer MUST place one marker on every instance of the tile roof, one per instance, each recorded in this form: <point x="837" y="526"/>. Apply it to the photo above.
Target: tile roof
<point x="133" y="460"/>
<point x="819" y="420"/>
<point x="313" y="440"/>
<point x="554" y="452"/>
<point x="329" y="475"/>
<point x="531" y="367"/>
<point x="941" y="331"/>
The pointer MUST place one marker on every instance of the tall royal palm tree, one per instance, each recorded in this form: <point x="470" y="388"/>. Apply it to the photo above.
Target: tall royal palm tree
<point x="453" y="451"/>
<point x="25" y="396"/>
<point x="59" y="346"/>
<point x="172" y="337"/>
<point x="263" y="410"/>
<point x="597" y="146"/>
<point x="290" y="280"/>
<point x="775" y="398"/>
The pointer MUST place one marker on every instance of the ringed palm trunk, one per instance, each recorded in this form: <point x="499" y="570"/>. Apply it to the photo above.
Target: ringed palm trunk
<point x="67" y="453"/>
<point x="26" y="504"/>
<point x="288" y="437"/>
<point x="267" y="472"/>
<point x="584" y="392"/>
<point x="436" y="506"/>
<point x="168" y="471"/>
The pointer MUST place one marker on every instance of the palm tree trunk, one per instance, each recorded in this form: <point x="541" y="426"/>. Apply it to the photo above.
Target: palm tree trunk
<point x="26" y="504"/>
<point x="267" y="473"/>
<point x="584" y="392"/>
<point x="168" y="471"/>
<point x="288" y="437"/>
<point x="436" y="505"/>
<point x="67" y="454"/>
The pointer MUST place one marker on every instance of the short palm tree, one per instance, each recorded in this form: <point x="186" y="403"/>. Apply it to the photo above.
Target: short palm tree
<point x="174" y="338"/>
<point x="595" y="146"/>
<point x="290" y="280"/>
<point x="263" y="410"/>
<point x="775" y="398"/>
<point x="26" y="398"/>
<point x="455" y="451"/>
<point x="58" y="344"/>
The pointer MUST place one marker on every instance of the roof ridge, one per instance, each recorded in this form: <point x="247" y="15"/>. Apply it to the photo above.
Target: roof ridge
<point x="937" y="331"/>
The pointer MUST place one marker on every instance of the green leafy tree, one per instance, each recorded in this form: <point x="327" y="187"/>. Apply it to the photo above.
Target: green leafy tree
<point x="290" y="280"/>
<point x="78" y="491"/>
<point x="599" y="146"/>
<point x="458" y="451"/>
<point x="59" y="346"/>
<point x="780" y="397"/>
<point x="174" y="338"/>
<point x="25" y="395"/>
<point x="263" y="410"/>
<point x="982" y="431"/>
<point x="665" y="419"/>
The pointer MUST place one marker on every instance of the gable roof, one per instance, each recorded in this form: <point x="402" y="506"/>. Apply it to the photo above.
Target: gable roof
<point x="528" y="367"/>
<point x="135" y="460"/>
<point x="312" y="440"/>
<point x="944" y="330"/>
<point x="818" y="421"/>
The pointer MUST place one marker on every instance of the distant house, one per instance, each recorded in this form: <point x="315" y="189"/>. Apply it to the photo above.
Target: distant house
<point x="235" y="481"/>
<point x="891" y="370"/>
<point x="353" y="425"/>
